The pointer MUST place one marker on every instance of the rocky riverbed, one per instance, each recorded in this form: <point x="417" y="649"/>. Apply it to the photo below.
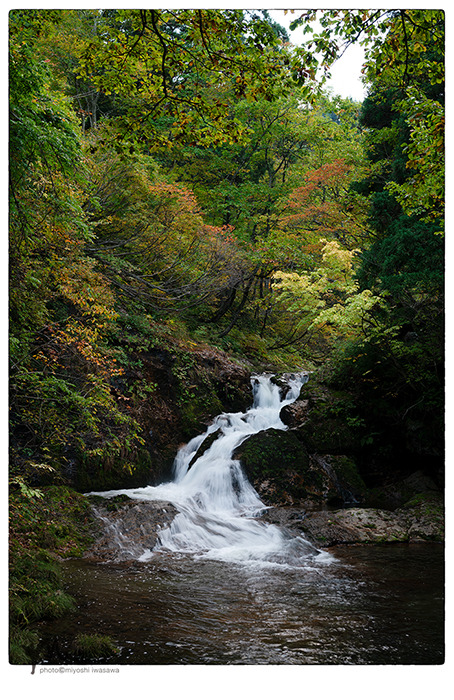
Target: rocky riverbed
<point x="129" y="528"/>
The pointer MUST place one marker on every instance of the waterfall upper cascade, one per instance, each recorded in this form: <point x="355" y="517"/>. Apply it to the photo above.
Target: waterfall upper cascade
<point x="217" y="505"/>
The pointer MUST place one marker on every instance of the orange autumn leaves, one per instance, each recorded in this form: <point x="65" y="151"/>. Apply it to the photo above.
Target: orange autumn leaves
<point x="323" y="205"/>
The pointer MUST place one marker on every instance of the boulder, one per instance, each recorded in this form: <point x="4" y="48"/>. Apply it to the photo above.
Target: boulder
<point x="396" y="494"/>
<point x="353" y="526"/>
<point x="342" y="482"/>
<point x="278" y="466"/>
<point x="328" y="435"/>
<point x="295" y="414"/>
<point x="128" y="528"/>
<point x="420" y="520"/>
<point x="424" y="517"/>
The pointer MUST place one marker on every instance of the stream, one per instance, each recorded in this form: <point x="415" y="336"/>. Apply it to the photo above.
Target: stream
<point x="223" y="587"/>
<point x="377" y="604"/>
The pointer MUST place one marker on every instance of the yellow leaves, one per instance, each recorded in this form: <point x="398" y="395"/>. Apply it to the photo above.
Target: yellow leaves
<point x="338" y="259"/>
<point x="87" y="289"/>
<point x="327" y="299"/>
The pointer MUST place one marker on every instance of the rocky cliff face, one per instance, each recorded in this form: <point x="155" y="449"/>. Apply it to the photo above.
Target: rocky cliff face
<point x="187" y="389"/>
<point x="323" y="458"/>
<point x="303" y="473"/>
<point x="310" y="464"/>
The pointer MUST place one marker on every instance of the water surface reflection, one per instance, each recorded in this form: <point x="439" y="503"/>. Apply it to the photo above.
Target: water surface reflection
<point x="373" y="605"/>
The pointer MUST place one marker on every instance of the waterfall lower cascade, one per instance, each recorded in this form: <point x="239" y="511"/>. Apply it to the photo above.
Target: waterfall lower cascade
<point x="217" y="506"/>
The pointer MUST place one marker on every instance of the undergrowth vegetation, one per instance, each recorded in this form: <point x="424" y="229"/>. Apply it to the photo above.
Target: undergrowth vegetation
<point x="46" y="524"/>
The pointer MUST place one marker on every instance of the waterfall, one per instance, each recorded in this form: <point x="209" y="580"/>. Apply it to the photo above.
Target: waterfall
<point x="217" y="505"/>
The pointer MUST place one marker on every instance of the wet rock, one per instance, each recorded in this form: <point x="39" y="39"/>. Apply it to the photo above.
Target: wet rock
<point x="295" y="414"/>
<point x="353" y="526"/>
<point x="129" y="530"/>
<point x="278" y="466"/>
<point x="342" y="482"/>
<point x="420" y="520"/>
<point x="283" y="380"/>
<point x="424" y="517"/>
<point x="285" y="517"/>
<point x="205" y="445"/>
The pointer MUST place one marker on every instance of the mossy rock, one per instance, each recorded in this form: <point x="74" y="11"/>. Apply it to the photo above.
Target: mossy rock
<point x="271" y="452"/>
<point x="333" y="425"/>
<point x="427" y="500"/>
<point x="95" y="473"/>
<point x="400" y="493"/>
<point x="425" y="515"/>
<point x="349" y="481"/>
<point x="277" y="465"/>
<point x="197" y="411"/>
<point x="324" y="434"/>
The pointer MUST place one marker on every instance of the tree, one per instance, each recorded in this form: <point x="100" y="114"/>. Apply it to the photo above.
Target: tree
<point x="44" y="155"/>
<point x="324" y="206"/>
<point x="61" y="306"/>
<point x="255" y="188"/>
<point x="405" y="59"/>
<point x="397" y="364"/>
<point x="180" y="65"/>
<point x="326" y="302"/>
<point x="151" y="240"/>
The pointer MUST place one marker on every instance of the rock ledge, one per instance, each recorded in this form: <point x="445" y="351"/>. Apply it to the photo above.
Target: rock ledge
<point x="420" y="520"/>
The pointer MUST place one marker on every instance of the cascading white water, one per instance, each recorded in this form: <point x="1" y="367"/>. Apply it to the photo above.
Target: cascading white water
<point x="217" y="505"/>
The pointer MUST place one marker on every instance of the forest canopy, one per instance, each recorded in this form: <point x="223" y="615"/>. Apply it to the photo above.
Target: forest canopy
<point x="184" y="174"/>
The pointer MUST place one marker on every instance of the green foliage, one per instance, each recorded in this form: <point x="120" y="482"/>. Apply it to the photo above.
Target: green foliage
<point x="422" y="193"/>
<point x="93" y="647"/>
<point x="45" y="209"/>
<point x="186" y="63"/>
<point x="397" y="366"/>
<point x="61" y="307"/>
<point x="44" y="526"/>
<point x="408" y="261"/>
<point x="22" y="645"/>
<point x="404" y="59"/>
<point x="98" y="260"/>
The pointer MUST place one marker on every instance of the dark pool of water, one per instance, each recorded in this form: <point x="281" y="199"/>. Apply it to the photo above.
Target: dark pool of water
<point x="374" y="605"/>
